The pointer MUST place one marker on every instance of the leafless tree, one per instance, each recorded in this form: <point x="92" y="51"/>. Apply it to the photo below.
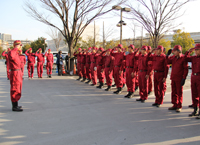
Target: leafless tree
<point x="157" y="16"/>
<point x="74" y="16"/>
<point x="55" y="36"/>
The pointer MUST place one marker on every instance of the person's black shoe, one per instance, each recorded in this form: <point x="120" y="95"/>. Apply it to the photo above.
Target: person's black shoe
<point x="108" y="89"/>
<point x="100" y="85"/>
<point x="16" y="107"/>
<point x="142" y="101"/>
<point x="78" y="78"/>
<point x="119" y="91"/>
<point x="114" y="85"/>
<point x="92" y="85"/>
<point x="115" y="92"/>
<point x="190" y="106"/>
<point x="83" y="80"/>
<point x="154" y="104"/>
<point x="49" y="76"/>
<point x="136" y="88"/>
<point x="138" y="99"/>
<point x="88" y="82"/>
<point x="129" y="93"/>
<point x="149" y="92"/>
<point x="195" y="112"/>
<point x="158" y="105"/>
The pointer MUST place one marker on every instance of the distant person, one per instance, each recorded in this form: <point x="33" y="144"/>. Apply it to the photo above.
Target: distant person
<point x="40" y="62"/>
<point x="67" y="60"/>
<point x="31" y="62"/>
<point x="23" y="62"/>
<point x="5" y="54"/>
<point x="49" y="65"/>
<point x="59" y="62"/>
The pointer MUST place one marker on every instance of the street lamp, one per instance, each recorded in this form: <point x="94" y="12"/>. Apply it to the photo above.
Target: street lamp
<point x="121" y="22"/>
<point x="44" y="44"/>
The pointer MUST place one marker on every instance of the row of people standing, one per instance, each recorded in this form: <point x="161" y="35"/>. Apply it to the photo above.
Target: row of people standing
<point x="139" y="68"/>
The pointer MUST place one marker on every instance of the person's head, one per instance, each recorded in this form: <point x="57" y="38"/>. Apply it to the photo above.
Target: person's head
<point x="30" y="50"/>
<point x="9" y="49"/>
<point x="49" y="51"/>
<point x="40" y="50"/>
<point x="89" y="49"/>
<point x="100" y="50"/>
<point x="197" y="49"/>
<point x="17" y="44"/>
<point x="144" y="50"/>
<point x="177" y="50"/>
<point x="94" y="50"/>
<point x="60" y="52"/>
<point x="79" y="49"/>
<point x="148" y="49"/>
<point x="159" y="50"/>
<point x="119" y="47"/>
<point x="108" y="51"/>
<point x="131" y="48"/>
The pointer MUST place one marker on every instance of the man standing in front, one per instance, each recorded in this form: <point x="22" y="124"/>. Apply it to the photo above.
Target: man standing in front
<point x="15" y="75"/>
<point x="40" y="62"/>
<point x="49" y="65"/>
<point x="31" y="62"/>
<point x="178" y="76"/>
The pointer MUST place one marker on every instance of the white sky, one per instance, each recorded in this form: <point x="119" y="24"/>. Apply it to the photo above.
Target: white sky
<point x="15" y="21"/>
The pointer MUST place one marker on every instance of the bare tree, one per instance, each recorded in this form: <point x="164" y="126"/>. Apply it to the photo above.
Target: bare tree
<point x="55" y="36"/>
<point x="74" y="16"/>
<point x="157" y="16"/>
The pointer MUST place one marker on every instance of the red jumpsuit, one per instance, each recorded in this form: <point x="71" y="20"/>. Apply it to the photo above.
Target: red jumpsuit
<point x="99" y="63"/>
<point x="130" y="81"/>
<point x="15" y="75"/>
<point x="7" y="64"/>
<point x="83" y="65"/>
<point x="143" y="71"/>
<point x="40" y="62"/>
<point x="31" y="63"/>
<point x="150" y="80"/>
<point x="108" y="66"/>
<point x="93" y="64"/>
<point x="136" y="73"/>
<point x="23" y="62"/>
<point x="179" y="72"/>
<point x="160" y="68"/>
<point x="195" y="78"/>
<point x="78" y="63"/>
<point x="88" y="63"/>
<point x="118" y="66"/>
<point x="49" y="64"/>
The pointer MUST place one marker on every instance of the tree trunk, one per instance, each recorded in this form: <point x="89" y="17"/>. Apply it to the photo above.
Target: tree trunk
<point x="70" y="59"/>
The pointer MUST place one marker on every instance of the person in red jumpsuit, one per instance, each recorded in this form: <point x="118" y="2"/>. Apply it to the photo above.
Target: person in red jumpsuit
<point x="130" y="72"/>
<point x="160" y="68"/>
<point x="118" y="68"/>
<point x="23" y="61"/>
<point x="136" y="72"/>
<point x="49" y="64"/>
<point x="31" y="62"/>
<point x="40" y="62"/>
<point x="78" y="55"/>
<point x="150" y="79"/>
<point x="93" y="66"/>
<point x="100" y="70"/>
<point x="88" y="63"/>
<point x="15" y="75"/>
<point x="178" y="76"/>
<point x="108" y="66"/>
<point x="4" y="54"/>
<point x="195" y="78"/>
<point x="83" y="65"/>
<point x="143" y="74"/>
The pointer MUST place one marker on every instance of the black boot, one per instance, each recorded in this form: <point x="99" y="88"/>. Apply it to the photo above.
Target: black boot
<point x="108" y="89"/>
<point x="100" y="85"/>
<point x="83" y="80"/>
<point x="131" y="95"/>
<point x="88" y="82"/>
<point x="114" y="85"/>
<point x="79" y="78"/>
<point x="194" y="113"/>
<point x="119" y="91"/>
<point x="49" y="76"/>
<point x="136" y="88"/>
<point x="115" y="92"/>
<point x="127" y="95"/>
<point x="16" y="107"/>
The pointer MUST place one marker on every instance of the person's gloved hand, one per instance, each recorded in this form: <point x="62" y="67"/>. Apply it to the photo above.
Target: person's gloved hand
<point x="169" y="52"/>
<point x="182" y="82"/>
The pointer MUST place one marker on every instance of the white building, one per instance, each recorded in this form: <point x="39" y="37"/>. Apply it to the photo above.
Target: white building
<point x="6" y="37"/>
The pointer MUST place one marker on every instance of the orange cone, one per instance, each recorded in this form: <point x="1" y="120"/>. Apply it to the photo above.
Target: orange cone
<point x="63" y="70"/>
<point x="74" y="69"/>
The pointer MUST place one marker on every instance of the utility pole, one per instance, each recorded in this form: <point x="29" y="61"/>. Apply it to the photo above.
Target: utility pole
<point x="94" y="34"/>
<point x="134" y="36"/>
<point x="103" y="36"/>
<point x="142" y="37"/>
<point x="121" y="28"/>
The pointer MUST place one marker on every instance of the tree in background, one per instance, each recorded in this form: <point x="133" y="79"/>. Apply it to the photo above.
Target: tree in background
<point x="35" y="45"/>
<point x="89" y="43"/>
<point x="1" y="50"/>
<point x="26" y="47"/>
<point x="55" y="36"/>
<point x="184" y="39"/>
<point x="165" y="43"/>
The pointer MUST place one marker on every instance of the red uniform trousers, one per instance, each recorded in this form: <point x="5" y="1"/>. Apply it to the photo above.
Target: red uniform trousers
<point x="93" y="73"/>
<point x="150" y="81"/>
<point x="22" y="69"/>
<point x="118" y="78"/>
<point x="88" y="71"/>
<point x="159" y="87"/>
<point x="30" y="68"/>
<point x="100" y="75"/>
<point x="8" y="70"/>
<point x="83" y="70"/>
<point x="143" y="85"/>
<point x="177" y="93"/>
<point x="79" y="69"/>
<point x="130" y="81"/>
<point x="124" y="78"/>
<point x="49" y="68"/>
<point x="15" y="85"/>
<point x="108" y="76"/>
<point x="136" y="79"/>
<point x="39" y="69"/>
<point x="195" y="86"/>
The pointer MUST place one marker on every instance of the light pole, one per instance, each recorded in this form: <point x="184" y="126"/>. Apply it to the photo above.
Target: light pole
<point x="44" y="43"/>
<point x="121" y="22"/>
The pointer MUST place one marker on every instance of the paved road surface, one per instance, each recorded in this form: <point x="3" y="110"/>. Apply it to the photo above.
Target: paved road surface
<point x="63" y="111"/>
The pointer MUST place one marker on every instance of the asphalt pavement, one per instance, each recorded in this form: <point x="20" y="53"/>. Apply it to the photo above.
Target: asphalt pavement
<point x="63" y="111"/>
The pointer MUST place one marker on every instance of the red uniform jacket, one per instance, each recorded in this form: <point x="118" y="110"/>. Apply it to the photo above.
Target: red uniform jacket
<point x="142" y="62"/>
<point x="49" y="57"/>
<point x="31" y="57"/>
<point x="119" y="59"/>
<point x="179" y="67"/>
<point x="14" y="59"/>
<point x="40" y="57"/>
<point x="88" y="58"/>
<point x="130" y="61"/>
<point x="83" y="58"/>
<point x="195" y="62"/>
<point x="93" y="58"/>
<point x="159" y="63"/>
<point x="23" y="60"/>
<point x="108" y="61"/>
<point x="78" y="55"/>
<point x="100" y="59"/>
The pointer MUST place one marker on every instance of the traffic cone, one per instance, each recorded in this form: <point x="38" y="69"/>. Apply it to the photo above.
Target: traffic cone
<point x="63" y="70"/>
<point x="74" y="69"/>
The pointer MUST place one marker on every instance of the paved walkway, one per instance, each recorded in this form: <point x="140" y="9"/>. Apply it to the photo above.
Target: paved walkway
<point x="63" y="111"/>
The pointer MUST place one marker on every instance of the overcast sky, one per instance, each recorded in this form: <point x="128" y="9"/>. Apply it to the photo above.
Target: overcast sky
<point x="15" y="21"/>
